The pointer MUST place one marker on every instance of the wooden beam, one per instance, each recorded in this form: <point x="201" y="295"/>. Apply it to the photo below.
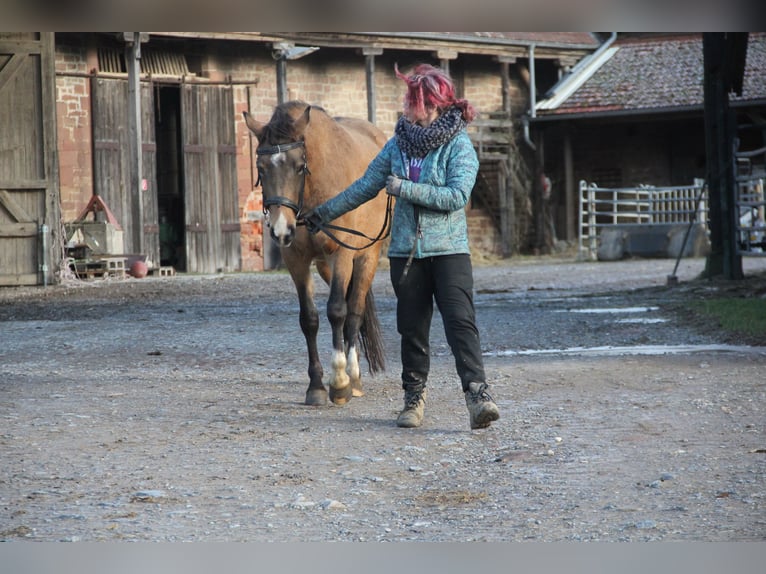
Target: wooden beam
<point x="29" y="229"/>
<point x="369" y="55"/>
<point x="719" y="138"/>
<point x="13" y="208"/>
<point x="10" y="69"/>
<point x="133" y="59"/>
<point x="570" y="189"/>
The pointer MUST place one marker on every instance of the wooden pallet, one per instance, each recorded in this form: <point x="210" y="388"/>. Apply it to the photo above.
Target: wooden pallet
<point x="99" y="268"/>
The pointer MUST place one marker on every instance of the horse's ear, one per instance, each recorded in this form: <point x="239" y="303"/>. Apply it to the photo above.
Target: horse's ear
<point x="300" y="124"/>
<point x="255" y="126"/>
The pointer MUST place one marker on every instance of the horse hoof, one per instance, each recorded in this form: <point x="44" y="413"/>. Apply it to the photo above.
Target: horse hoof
<point x="341" y="396"/>
<point x="356" y="389"/>
<point x="316" y="397"/>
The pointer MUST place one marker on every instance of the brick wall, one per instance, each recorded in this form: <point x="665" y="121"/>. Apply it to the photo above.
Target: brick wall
<point x="483" y="236"/>
<point x="74" y="132"/>
<point x="333" y="79"/>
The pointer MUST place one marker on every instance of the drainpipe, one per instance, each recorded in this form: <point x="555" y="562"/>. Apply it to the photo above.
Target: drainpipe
<point x="45" y="232"/>
<point x="532" y="98"/>
<point x="532" y="89"/>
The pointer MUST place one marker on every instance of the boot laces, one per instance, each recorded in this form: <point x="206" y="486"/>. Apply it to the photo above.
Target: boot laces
<point x="412" y="398"/>
<point x="481" y="395"/>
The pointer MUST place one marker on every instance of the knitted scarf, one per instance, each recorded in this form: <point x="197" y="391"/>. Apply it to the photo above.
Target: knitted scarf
<point x="417" y="141"/>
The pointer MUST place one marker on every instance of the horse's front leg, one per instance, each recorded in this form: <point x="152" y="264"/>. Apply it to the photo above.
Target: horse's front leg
<point x="316" y="394"/>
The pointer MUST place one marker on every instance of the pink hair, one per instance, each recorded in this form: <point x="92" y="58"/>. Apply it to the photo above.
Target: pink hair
<point x="429" y="86"/>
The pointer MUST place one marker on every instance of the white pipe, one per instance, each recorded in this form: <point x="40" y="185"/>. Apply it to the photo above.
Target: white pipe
<point x="532" y="97"/>
<point x="44" y="267"/>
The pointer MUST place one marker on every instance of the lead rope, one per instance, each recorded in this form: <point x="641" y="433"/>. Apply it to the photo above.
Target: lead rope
<point x="384" y="232"/>
<point x="418" y="231"/>
<point x="418" y="236"/>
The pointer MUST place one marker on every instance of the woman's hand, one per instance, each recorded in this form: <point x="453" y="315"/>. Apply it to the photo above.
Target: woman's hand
<point x="393" y="185"/>
<point x="312" y="221"/>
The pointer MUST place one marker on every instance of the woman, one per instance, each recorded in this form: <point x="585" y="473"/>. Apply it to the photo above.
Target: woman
<point x="430" y="166"/>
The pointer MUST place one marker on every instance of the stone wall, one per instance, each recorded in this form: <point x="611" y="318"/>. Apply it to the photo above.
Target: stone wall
<point x="334" y="79"/>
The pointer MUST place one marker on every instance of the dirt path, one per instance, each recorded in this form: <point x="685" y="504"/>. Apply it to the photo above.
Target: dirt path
<point x="171" y="409"/>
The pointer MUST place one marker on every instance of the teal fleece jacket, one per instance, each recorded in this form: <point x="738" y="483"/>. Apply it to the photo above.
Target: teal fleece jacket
<point x="446" y="181"/>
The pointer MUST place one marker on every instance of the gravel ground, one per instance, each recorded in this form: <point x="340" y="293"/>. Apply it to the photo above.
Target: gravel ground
<point x="170" y="409"/>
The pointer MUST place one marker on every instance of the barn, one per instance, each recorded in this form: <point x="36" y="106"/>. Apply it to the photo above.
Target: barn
<point x="29" y="191"/>
<point x="150" y="124"/>
<point x="633" y="114"/>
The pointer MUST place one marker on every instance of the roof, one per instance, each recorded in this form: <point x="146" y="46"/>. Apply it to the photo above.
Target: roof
<point x="585" y="40"/>
<point x="649" y="73"/>
<point x="548" y="44"/>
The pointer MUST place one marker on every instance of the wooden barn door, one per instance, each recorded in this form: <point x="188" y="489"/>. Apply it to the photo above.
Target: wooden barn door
<point x="210" y="179"/>
<point x="30" y="223"/>
<point x="111" y="164"/>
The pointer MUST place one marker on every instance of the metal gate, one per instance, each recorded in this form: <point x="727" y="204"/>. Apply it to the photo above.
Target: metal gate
<point x="30" y="226"/>
<point x="660" y="209"/>
<point x="751" y="202"/>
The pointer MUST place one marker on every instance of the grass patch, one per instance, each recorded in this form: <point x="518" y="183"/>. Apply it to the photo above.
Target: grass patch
<point x="736" y="315"/>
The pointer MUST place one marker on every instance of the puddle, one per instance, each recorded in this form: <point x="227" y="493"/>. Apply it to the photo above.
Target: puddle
<point x="611" y="310"/>
<point x="610" y="351"/>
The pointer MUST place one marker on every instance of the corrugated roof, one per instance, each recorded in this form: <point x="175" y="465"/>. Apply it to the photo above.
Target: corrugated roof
<point x="656" y="73"/>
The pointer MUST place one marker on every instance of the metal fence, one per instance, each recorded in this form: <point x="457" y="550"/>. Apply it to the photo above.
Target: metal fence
<point x="605" y="207"/>
<point x="751" y="227"/>
<point x="602" y="207"/>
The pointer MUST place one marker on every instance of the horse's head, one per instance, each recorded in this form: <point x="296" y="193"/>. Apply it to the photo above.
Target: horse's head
<point x="282" y="169"/>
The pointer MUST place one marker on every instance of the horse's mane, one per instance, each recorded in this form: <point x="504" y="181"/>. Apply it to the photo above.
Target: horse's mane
<point x="280" y="126"/>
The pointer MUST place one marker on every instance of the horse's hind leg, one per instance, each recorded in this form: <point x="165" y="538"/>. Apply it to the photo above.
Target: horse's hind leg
<point x="353" y="323"/>
<point x="356" y="299"/>
<point x="340" y="383"/>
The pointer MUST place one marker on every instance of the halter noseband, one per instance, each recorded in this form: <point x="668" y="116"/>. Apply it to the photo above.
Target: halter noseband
<point x="279" y="199"/>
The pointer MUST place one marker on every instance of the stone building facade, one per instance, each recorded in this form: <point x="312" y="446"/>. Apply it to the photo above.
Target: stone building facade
<point x="494" y="75"/>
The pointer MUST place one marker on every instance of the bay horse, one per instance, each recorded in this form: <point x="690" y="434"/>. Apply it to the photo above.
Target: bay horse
<point x="304" y="158"/>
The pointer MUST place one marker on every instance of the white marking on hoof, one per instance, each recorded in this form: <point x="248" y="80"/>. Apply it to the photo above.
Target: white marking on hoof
<point x="353" y="364"/>
<point x="339" y="379"/>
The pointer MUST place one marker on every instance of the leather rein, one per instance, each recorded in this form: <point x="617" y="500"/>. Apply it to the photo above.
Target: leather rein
<point x="326" y="228"/>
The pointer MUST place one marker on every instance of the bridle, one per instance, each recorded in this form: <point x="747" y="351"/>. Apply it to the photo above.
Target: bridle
<point x="280" y="199"/>
<point x="297" y="208"/>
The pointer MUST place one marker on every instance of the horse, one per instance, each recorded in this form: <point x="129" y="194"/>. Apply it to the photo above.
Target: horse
<point x="305" y="157"/>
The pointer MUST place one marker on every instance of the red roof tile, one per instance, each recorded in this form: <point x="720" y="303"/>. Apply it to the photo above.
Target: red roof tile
<point x="658" y="73"/>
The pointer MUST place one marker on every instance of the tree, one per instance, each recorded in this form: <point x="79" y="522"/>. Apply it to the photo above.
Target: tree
<point x="724" y="63"/>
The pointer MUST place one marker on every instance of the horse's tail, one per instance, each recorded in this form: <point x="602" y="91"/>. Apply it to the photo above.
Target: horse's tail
<point x="370" y="336"/>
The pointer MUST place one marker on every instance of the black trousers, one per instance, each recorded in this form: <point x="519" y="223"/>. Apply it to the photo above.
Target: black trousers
<point x="447" y="280"/>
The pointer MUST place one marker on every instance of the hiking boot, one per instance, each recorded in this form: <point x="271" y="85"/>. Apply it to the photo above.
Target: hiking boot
<point x="481" y="407"/>
<point x="414" y="404"/>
